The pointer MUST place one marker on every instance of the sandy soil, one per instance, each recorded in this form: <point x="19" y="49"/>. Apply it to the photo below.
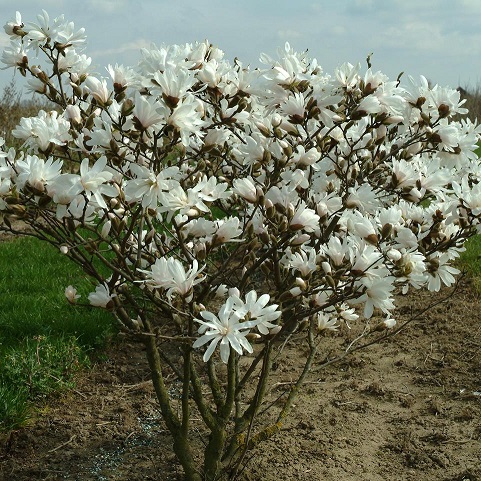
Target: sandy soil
<point x="409" y="409"/>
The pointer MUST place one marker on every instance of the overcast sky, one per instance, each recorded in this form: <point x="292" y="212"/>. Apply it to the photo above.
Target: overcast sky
<point x="440" y="39"/>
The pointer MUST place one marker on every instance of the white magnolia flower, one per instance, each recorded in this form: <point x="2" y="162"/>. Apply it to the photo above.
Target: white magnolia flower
<point x="174" y="82"/>
<point x="14" y="27"/>
<point x="37" y="172"/>
<point x="147" y="187"/>
<point x="186" y="118"/>
<point x="122" y="77"/>
<point x="227" y="230"/>
<point x="146" y="111"/>
<point x="98" y="89"/>
<point x="101" y="297"/>
<point x="303" y="260"/>
<point x="257" y="311"/>
<point x="93" y="180"/>
<point x="246" y="188"/>
<point x="71" y="294"/>
<point x="378" y="294"/>
<point x="305" y="219"/>
<point x="73" y="113"/>
<point x="225" y="329"/>
<point x="170" y="275"/>
<point x="440" y="272"/>
<point x="14" y="55"/>
<point x="325" y="322"/>
<point x="46" y="130"/>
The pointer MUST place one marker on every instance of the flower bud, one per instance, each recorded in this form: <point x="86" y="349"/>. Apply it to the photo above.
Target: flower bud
<point x="394" y="255"/>
<point x="72" y="112"/>
<point x="330" y="282"/>
<point x="106" y="229"/>
<point x="300" y="239"/>
<point x="275" y="330"/>
<point x="372" y="239"/>
<point x="127" y="107"/>
<point x="386" y="230"/>
<point x="295" y="291"/>
<point x="200" y="251"/>
<point x="386" y="324"/>
<point x="301" y="283"/>
<point x="443" y="111"/>
<point x="253" y="336"/>
<point x="326" y="267"/>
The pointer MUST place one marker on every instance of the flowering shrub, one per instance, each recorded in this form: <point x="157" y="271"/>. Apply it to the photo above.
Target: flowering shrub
<point x="233" y="207"/>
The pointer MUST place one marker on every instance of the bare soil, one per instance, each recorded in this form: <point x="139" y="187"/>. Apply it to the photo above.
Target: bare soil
<point x="407" y="409"/>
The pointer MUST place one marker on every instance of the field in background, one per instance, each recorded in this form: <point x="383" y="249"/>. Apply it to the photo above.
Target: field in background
<point x="44" y="341"/>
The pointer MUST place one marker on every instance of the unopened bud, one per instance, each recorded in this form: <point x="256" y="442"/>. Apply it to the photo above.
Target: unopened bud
<point x="372" y="239"/>
<point x="264" y="237"/>
<point x="295" y="291"/>
<point x="330" y="282"/>
<point x="106" y="229"/>
<point x="127" y="107"/>
<point x="301" y="283"/>
<point x="300" y="239"/>
<point x="386" y="230"/>
<point x="443" y="111"/>
<point x="386" y="324"/>
<point x="275" y="330"/>
<point x="291" y="210"/>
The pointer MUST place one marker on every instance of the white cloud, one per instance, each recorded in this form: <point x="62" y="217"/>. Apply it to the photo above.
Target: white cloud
<point x="106" y="6"/>
<point x="4" y="40"/>
<point x="439" y="38"/>
<point x="133" y="46"/>
<point x="288" y="34"/>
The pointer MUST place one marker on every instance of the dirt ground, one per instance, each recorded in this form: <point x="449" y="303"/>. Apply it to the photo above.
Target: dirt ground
<point x="409" y="409"/>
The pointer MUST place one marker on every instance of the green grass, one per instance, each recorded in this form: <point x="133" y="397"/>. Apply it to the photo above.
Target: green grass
<point x="470" y="260"/>
<point x="44" y="340"/>
<point x="478" y="151"/>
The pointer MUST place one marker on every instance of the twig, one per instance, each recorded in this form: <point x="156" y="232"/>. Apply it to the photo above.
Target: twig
<point x="81" y="394"/>
<point x="63" y="444"/>
<point x="389" y="334"/>
<point x="133" y="387"/>
<point x="289" y="383"/>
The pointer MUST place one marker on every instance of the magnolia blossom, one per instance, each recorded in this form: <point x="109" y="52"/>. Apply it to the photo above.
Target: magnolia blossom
<point x="225" y="329"/>
<point x="227" y="230"/>
<point x="171" y="276"/>
<point x="246" y="188"/>
<point x="257" y="310"/>
<point x="440" y="272"/>
<point x="36" y="172"/>
<point x="15" y="55"/>
<point x="14" y="27"/>
<point x="186" y="119"/>
<point x="71" y="294"/>
<point x="325" y="322"/>
<point x="304" y="260"/>
<point x="378" y="294"/>
<point x="93" y="180"/>
<point x="101" y="297"/>
<point x="147" y="187"/>
<point x="43" y="132"/>
<point x="145" y="111"/>
<point x="304" y="218"/>
<point x="98" y="89"/>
